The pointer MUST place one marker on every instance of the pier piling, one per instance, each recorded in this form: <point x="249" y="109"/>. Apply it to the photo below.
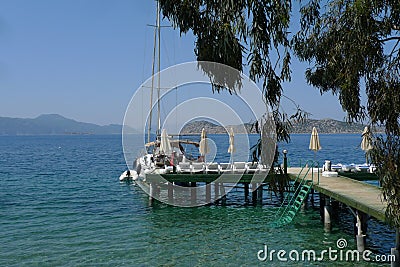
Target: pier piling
<point x="254" y="193"/>
<point x="312" y="196"/>
<point x="223" y="194"/>
<point x="170" y="192"/>
<point x="246" y="191"/>
<point x="208" y="193"/>
<point x="360" y="224"/>
<point x="335" y="206"/>
<point x="216" y="191"/>
<point x="193" y="193"/>
<point x="260" y="193"/>
<point x="321" y="206"/>
<point x="305" y="202"/>
<point x="151" y="194"/>
<point x="327" y="215"/>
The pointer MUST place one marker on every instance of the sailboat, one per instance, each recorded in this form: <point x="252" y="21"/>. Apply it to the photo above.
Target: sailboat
<point x="163" y="153"/>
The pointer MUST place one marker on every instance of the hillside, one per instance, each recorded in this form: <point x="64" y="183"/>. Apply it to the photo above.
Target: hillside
<point x="52" y="124"/>
<point x="211" y="128"/>
<point x="323" y="126"/>
<point x="327" y="126"/>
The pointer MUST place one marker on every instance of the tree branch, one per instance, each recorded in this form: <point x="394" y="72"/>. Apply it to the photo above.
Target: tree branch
<point x="390" y="39"/>
<point x="394" y="48"/>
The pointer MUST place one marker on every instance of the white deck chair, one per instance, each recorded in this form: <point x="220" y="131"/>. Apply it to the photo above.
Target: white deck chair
<point x="225" y="167"/>
<point x="253" y="167"/>
<point x="212" y="168"/>
<point x="197" y="167"/>
<point x="263" y="168"/>
<point x="239" y="167"/>
<point x="183" y="167"/>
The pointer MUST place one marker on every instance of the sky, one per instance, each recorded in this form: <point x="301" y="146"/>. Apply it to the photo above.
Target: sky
<point x="85" y="59"/>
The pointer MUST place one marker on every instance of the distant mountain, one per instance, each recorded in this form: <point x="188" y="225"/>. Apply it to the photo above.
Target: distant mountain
<point x="323" y="126"/>
<point x="211" y="128"/>
<point x="53" y="124"/>
<point x="328" y="126"/>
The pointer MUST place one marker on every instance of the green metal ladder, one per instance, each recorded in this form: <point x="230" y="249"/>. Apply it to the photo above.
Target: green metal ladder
<point x="296" y="196"/>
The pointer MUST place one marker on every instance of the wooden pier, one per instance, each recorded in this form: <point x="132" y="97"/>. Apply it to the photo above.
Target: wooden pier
<point x="364" y="200"/>
<point x="358" y="195"/>
<point x="355" y="194"/>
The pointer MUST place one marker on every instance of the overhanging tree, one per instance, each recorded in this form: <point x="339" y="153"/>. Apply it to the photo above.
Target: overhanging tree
<point x="351" y="45"/>
<point x="242" y="32"/>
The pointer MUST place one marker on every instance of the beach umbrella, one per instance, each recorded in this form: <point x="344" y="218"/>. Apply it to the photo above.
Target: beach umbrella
<point x="165" y="145"/>
<point x="231" y="148"/>
<point x="314" y="141"/>
<point x="203" y="146"/>
<point x="366" y="142"/>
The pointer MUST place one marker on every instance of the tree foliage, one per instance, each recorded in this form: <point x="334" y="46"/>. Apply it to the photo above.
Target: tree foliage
<point x="386" y="154"/>
<point x="238" y="33"/>
<point x="228" y="31"/>
<point x="353" y="45"/>
<point x="350" y="45"/>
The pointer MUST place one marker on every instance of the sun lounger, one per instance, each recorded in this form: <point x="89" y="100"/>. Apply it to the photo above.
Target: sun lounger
<point x="184" y="167"/>
<point x="212" y="168"/>
<point x="362" y="167"/>
<point x="263" y="168"/>
<point x="239" y="167"/>
<point x="197" y="167"/>
<point x="225" y="167"/>
<point x="253" y="167"/>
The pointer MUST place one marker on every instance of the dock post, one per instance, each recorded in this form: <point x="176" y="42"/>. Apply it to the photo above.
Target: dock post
<point x="208" y="193"/>
<point x="335" y="209"/>
<point x="395" y="251"/>
<point x="223" y="194"/>
<point x="157" y="190"/>
<point x="151" y="194"/>
<point x="254" y="193"/>
<point x="321" y="206"/>
<point x="284" y="161"/>
<point x="193" y="193"/>
<point x="246" y="191"/>
<point x="216" y="192"/>
<point x="305" y="202"/>
<point x="360" y="237"/>
<point x="260" y="193"/>
<point x="312" y="196"/>
<point x="327" y="215"/>
<point x="170" y="192"/>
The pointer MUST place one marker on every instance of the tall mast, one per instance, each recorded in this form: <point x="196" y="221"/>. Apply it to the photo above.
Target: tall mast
<point x="158" y="69"/>
<point x="156" y="44"/>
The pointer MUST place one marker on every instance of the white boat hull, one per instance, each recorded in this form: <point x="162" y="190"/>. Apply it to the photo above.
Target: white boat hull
<point x="131" y="177"/>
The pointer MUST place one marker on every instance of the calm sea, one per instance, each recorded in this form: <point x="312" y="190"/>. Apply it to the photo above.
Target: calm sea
<point x="61" y="204"/>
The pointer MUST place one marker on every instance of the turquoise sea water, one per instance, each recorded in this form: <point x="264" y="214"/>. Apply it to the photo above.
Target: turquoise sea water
<point x="61" y="205"/>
